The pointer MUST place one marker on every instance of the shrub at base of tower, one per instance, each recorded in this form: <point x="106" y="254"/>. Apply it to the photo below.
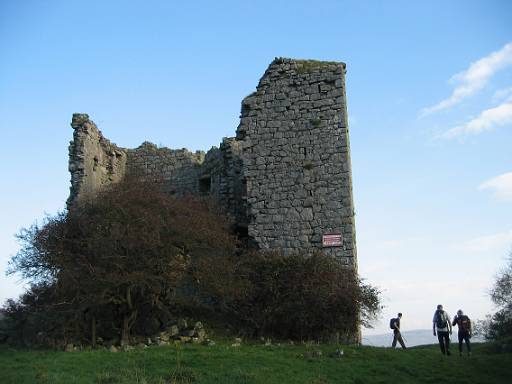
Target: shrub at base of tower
<point x="132" y="259"/>
<point x="289" y="297"/>
<point x="116" y="260"/>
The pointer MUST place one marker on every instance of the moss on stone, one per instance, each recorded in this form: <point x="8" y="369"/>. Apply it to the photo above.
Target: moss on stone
<point x="308" y="165"/>
<point x="315" y="122"/>
<point x="79" y="119"/>
<point x="304" y="66"/>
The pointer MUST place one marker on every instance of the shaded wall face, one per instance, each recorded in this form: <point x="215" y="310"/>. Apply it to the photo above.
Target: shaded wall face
<point x="94" y="162"/>
<point x="221" y="177"/>
<point x="296" y="159"/>
<point x="178" y="170"/>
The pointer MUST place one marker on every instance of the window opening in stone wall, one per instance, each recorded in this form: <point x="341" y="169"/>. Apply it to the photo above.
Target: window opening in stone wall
<point x="242" y="231"/>
<point x="205" y="184"/>
<point x="244" y="188"/>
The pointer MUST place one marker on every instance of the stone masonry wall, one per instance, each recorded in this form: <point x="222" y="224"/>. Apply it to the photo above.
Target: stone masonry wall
<point x="295" y="152"/>
<point x="222" y="169"/>
<point x="94" y="161"/>
<point x="178" y="169"/>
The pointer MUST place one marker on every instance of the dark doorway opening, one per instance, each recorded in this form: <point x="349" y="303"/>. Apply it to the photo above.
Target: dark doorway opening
<point x="205" y="184"/>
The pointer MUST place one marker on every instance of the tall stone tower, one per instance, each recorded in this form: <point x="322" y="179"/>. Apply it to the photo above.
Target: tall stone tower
<point x="296" y="160"/>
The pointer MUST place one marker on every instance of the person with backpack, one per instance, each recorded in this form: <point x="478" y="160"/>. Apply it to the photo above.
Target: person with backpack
<point x="394" y="324"/>
<point x="464" y="325"/>
<point x="443" y="327"/>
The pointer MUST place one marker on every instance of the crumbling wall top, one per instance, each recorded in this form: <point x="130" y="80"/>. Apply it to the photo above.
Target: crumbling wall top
<point x="93" y="160"/>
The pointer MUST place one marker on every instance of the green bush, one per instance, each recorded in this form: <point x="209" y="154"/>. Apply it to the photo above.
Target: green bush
<point x="131" y="259"/>
<point x="113" y="263"/>
<point x="288" y="297"/>
<point x="498" y="326"/>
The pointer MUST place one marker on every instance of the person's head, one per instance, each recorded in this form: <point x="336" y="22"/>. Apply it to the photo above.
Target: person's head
<point x="459" y="312"/>
<point x="440" y="307"/>
<point x="399" y="314"/>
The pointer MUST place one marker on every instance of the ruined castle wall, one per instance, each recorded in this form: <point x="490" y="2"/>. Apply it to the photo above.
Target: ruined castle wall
<point x="178" y="169"/>
<point x="295" y="153"/>
<point x="94" y="162"/>
<point x="222" y="171"/>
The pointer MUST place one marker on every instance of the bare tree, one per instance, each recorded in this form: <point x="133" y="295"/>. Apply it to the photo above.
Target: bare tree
<point x="128" y="246"/>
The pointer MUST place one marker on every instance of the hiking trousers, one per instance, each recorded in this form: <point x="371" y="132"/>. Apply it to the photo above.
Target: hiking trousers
<point x="397" y="336"/>
<point x="464" y="336"/>
<point x="444" y="342"/>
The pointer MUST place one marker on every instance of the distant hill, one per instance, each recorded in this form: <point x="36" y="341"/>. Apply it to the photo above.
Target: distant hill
<point x="412" y="338"/>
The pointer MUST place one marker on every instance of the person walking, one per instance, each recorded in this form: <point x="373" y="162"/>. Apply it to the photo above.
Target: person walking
<point x="443" y="327"/>
<point x="394" y="324"/>
<point x="465" y="329"/>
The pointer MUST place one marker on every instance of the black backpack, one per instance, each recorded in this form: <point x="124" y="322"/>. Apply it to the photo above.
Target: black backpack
<point x="440" y="319"/>
<point x="392" y="323"/>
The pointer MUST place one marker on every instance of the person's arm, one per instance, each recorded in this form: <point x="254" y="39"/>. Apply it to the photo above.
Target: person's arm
<point x="454" y="320"/>
<point x="449" y="324"/>
<point x="434" y="324"/>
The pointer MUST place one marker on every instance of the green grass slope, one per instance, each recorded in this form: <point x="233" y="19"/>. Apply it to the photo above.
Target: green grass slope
<point x="254" y="364"/>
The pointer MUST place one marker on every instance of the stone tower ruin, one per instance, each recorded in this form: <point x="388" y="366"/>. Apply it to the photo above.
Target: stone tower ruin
<point x="285" y="178"/>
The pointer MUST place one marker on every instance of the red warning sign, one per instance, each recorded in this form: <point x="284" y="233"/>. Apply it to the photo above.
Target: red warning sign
<point x="332" y="240"/>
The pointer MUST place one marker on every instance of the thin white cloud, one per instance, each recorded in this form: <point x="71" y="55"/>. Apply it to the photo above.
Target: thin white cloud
<point x="501" y="94"/>
<point x="497" y="243"/>
<point x="486" y="121"/>
<point x="500" y="185"/>
<point x="474" y="78"/>
<point x="395" y="244"/>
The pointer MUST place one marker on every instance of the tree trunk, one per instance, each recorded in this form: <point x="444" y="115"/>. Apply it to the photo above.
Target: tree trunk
<point x="125" y="333"/>
<point x="128" y="319"/>
<point x="77" y="335"/>
<point x="93" y="331"/>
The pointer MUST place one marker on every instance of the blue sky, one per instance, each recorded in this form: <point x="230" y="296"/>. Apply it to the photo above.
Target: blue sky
<point x="429" y="89"/>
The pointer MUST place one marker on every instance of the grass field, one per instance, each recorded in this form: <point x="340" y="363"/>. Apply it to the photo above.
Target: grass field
<point x="254" y="364"/>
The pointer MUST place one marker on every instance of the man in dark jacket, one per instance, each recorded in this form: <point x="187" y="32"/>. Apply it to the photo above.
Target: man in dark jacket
<point x="464" y="325"/>
<point x="397" y="336"/>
